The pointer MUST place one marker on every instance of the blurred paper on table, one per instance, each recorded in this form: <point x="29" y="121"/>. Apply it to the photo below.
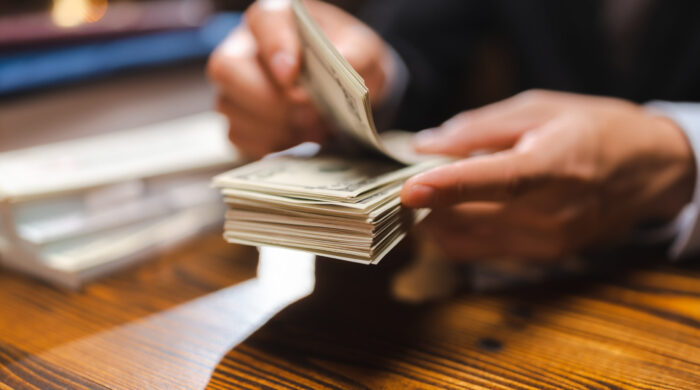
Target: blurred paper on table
<point x="189" y="143"/>
<point x="74" y="210"/>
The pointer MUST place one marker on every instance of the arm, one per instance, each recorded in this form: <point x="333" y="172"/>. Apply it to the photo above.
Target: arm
<point x="687" y="224"/>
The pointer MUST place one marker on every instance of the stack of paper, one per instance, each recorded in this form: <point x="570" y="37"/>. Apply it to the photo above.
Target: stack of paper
<point x="75" y="210"/>
<point x="336" y="205"/>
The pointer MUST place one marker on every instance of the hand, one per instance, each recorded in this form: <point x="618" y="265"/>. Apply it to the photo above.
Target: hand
<point x="256" y="72"/>
<point x="571" y="171"/>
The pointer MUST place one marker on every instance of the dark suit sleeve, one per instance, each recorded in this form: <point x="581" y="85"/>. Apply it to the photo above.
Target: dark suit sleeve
<point x="434" y="39"/>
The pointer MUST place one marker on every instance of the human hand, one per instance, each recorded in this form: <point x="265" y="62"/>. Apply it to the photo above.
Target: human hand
<point x="572" y="171"/>
<point x="256" y="70"/>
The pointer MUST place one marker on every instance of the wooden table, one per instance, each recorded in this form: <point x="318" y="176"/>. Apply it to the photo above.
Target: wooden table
<point x="178" y="321"/>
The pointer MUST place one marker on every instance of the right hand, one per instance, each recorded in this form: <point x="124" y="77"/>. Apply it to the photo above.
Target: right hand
<point x="256" y="71"/>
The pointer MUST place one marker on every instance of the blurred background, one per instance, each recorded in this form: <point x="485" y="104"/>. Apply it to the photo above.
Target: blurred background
<point x="108" y="141"/>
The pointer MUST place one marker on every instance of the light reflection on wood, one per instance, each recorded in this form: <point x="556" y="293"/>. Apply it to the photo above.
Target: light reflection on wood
<point x="180" y="347"/>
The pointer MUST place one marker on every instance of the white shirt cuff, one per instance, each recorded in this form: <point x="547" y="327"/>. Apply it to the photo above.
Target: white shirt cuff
<point x="687" y="225"/>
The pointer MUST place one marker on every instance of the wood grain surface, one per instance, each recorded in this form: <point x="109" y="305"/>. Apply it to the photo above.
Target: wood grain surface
<point x="123" y="332"/>
<point x="630" y="326"/>
<point x="178" y="323"/>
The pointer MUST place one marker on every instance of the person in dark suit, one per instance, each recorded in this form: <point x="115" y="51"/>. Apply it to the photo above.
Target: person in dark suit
<point x="598" y="147"/>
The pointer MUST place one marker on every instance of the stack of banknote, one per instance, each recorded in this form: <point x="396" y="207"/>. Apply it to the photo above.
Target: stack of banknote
<point x="340" y="205"/>
<point x="329" y="205"/>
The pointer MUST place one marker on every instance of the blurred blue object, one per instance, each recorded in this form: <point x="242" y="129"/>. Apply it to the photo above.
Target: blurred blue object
<point x="40" y="68"/>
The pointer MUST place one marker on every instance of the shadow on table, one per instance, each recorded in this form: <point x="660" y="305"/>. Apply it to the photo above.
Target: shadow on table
<point x="40" y="317"/>
<point x="350" y="333"/>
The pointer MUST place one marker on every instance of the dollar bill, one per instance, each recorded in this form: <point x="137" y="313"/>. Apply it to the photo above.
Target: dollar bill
<point x="321" y="177"/>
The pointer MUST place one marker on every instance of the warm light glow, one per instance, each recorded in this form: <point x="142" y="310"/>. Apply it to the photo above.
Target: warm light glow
<point x="71" y="13"/>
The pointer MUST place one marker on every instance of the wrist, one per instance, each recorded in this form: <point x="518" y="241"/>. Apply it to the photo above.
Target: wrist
<point x="677" y="181"/>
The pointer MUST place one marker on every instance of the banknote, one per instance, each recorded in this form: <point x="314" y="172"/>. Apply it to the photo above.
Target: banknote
<point x="341" y="94"/>
<point x="331" y="177"/>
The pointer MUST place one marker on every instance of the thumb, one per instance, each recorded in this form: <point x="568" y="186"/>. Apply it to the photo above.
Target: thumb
<point x="272" y="24"/>
<point x="366" y="52"/>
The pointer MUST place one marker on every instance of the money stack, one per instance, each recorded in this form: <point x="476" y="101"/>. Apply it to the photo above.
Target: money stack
<point x="336" y="205"/>
<point x="329" y="205"/>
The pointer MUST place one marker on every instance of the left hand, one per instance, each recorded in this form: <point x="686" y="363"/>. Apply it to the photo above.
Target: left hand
<point x="256" y="71"/>
<point x="571" y="171"/>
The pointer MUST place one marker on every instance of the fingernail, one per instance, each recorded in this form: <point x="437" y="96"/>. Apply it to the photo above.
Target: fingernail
<point x="274" y="5"/>
<point x="420" y="195"/>
<point x="282" y="64"/>
<point x="426" y="138"/>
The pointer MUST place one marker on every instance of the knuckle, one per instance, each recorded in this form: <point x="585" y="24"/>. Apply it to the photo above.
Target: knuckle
<point x="216" y="67"/>
<point x="522" y="175"/>
<point x="458" y="121"/>
<point x="460" y="190"/>
<point x="222" y="105"/>
<point x="239" y="128"/>
<point x="253" y="13"/>
<point x="513" y="183"/>
<point x="582" y="175"/>
<point x="233" y="135"/>
<point x="534" y="95"/>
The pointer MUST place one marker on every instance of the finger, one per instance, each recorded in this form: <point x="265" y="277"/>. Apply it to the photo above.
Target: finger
<point x="493" y="229"/>
<point x="466" y="214"/>
<point x="237" y="72"/>
<point x="555" y="222"/>
<point x="234" y="104"/>
<point x="493" y="127"/>
<point x="248" y="133"/>
<point x="249" y="146"/>
<point x="256" y="136"/>
<point x="271" y="127"/>
<point x="495" y="240"/>
<point x="249" y="150"/>
<point x="366" y="53"/>
<point x="274" y="29"/>
<point x="308" y="123"/>
<point x="499" y="177"/>
<point x="302" y="122"/>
